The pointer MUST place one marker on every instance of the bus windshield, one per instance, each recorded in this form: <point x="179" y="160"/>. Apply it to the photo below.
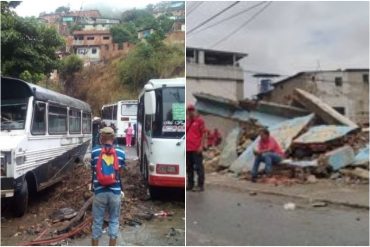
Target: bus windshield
<point x="13" y="114"/>
<point x="128" y="109"/>
<point x="169" y="121"/>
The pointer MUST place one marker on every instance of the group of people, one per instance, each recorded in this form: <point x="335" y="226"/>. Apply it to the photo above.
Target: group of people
<point x="108" y="163"/>
<point x="98" y="125"/>
<point x="213" y="138"/>
<point x="198" y="138"/>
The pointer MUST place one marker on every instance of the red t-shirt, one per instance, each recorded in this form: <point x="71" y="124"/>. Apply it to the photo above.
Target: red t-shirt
<point x="270" y="145"/>
<point x="194" y="132"/>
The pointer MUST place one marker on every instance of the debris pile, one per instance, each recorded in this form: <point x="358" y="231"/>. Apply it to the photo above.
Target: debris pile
<point x="64" y="210"/>
<point x="211" y="158"/>
<point x="324" y="144"/>
<point x="249" y="133"/>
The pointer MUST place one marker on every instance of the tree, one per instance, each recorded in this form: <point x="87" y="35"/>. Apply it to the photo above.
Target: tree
<point x="141" y="18"/>
<point x="27" y="45"/>
<point x="151" y="59"/>
<point x="124" y="33"/>
<point x="165" y="23"/>
<point x="62" y="9"/>
<point x="68" y="67"/>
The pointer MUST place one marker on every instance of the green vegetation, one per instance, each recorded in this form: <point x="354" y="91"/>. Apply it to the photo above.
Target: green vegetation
<point x="62" y="9"/>
<point x="69" y="66"/>
<point x="151" y="59"/>
<point x="135" y="20"/>
<point x="27" y="46"/>
<point x="124" y="33"/>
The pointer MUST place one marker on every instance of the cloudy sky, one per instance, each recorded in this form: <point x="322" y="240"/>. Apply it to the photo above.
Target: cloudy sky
<point x="33" y="8"/>
<point x="287" y="37"/>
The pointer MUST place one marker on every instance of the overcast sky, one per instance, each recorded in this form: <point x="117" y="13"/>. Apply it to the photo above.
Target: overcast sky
<point x="288" y="37"/>
<point x="33" y="8"/>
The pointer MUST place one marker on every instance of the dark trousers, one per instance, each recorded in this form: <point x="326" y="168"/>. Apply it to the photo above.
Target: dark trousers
<point x="194" y="160"/>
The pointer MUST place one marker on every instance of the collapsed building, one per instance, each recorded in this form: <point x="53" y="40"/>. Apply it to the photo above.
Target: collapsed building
<point x="316" y="138"/>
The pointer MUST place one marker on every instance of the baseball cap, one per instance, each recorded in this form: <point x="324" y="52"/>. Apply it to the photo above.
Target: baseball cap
<point x="190" y="107"/>
<point x="107" y="131"/>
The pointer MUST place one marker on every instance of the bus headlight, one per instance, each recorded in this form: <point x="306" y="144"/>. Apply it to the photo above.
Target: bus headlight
<point x="20" y="160"/>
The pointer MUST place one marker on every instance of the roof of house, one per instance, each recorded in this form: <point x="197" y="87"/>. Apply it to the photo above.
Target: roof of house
<point x="85" y="13"/>
<point x="310" y="72"/>
<point x="86" y="32"/>
<point x="218" y="51"/>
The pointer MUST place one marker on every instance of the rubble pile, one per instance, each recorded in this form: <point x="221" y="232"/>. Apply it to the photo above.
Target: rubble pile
<point x="249" y="132"/>
<point x="211" y="158"/>
<point x="323" y="144"/>
<point x="66" y="211"/>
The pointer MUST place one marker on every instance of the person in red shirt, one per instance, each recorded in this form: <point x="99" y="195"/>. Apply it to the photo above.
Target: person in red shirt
<point x="268" y="151"/>
<point x="195" y="142"/>
<point x="216" y="137"/>
<point x="210" y="140"/>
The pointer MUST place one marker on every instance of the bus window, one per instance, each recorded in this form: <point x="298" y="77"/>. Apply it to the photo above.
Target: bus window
<point x="57" y="118"/>
<point x="115" y="112"/>
<point x="129" y="109"/>
<point x="86" y="123"/>
<point x="169" y="121"/>
<point x="74" y="121"/>
<point x="107" y="112"/>
<point x="13" y="114"/>
<point x="39" y="119"/>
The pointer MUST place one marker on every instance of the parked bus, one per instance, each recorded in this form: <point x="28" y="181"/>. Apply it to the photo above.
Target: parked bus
<point x="43" y="133"/>
<point x="120" y="114"/>
<point x="161" y="134"/>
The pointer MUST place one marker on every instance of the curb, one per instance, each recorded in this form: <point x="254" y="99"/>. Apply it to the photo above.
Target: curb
<point x="309" y="199"/>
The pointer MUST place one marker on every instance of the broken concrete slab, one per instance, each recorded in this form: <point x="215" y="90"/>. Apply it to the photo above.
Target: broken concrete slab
<point x="322" y="109"/>
<point x="339" y="158"/>
<point x="362" y="157"/>
<point x="266" y="113"/>
<point x="357" y="172"/>
<point x="323" y="133"/>
<point x="284" y="133"/>
<point x="229" y="153"/>
<point x="300" y="163"/>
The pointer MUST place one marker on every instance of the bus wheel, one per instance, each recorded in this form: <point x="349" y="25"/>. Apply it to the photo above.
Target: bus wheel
<point x="20" y="200"/>
<point x="154" y="192"/>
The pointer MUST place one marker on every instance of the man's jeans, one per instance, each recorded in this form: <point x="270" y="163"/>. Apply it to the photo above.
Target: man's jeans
<point x="269" y="159"/>
<point x="194" y="160"/>
<point x="112" y="203"/>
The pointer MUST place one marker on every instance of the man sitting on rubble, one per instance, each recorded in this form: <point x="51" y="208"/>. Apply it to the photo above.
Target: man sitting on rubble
<point x="268" y="151"/>
<point x="107" y="163"/>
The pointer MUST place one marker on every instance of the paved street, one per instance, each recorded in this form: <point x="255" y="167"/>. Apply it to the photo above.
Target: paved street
<point x="221" y="216"/>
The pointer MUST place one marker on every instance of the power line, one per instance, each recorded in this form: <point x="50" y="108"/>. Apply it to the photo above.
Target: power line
<point x="212" y="17"/>
<point x="195" y="6"/>
<point x="231" y="17"/>
<point x="241" y="26"/>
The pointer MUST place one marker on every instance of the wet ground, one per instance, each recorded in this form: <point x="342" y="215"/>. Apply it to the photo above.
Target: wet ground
<point x="167" y="230"/>
<point x="221" y="216"/>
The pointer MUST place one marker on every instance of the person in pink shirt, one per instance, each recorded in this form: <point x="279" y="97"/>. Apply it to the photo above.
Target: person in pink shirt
<point x="268" y="151"/>
<point x="129" y="133"/>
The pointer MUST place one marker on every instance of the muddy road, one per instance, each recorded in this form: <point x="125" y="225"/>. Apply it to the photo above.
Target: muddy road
<point x="139" y="225"/>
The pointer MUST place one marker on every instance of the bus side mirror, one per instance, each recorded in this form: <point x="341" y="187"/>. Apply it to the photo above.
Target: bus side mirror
<point x="149" y="100"/>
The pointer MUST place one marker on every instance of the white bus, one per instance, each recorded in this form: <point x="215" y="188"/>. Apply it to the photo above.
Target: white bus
<point x="161" y="134"/>
<point x="120" y="114"/>
<point x="43" y="133"/>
